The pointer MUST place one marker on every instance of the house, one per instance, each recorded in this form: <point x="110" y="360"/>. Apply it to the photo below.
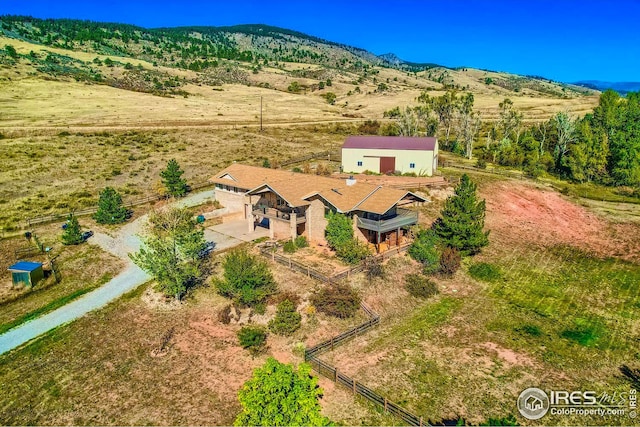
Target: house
<point x="27" y="273"/>
<point x="292" y="204"/>
<point x="389" y="154"/>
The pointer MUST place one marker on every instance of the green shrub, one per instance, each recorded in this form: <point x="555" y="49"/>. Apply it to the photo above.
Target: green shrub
<point x="481" y="163"/>
<point x="337" y="300"/>
<point x="353" y="252"/>
<point x="287" y="319"/>
<point x="449" y="261"/>
<point x="289" y="246"/>
<point x="373" y="267"/>
<point x="420" y="286"/>
<point x="301" y="242"/>
<point x="339" y="234"/>
<point x="253" y="338"/>
<point x="424" y="249"/>
<point x="247" y="279"/>
<point x="485" y="272"/>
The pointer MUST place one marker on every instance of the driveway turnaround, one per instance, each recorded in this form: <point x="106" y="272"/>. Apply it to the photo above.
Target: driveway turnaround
<point x="131" y="277"/>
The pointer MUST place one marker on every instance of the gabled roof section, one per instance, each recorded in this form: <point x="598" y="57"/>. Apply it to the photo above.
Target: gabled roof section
<point x="391" y="142"/>
<point x="298" y="189"/>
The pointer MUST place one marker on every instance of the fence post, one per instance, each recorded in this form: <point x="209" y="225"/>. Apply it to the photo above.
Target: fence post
<point x="385" y="404"/>
<point x="354" y="386"/>
<point x="335" y="375"/>
<point x="420" y="421"/>
<point x="289" y="262"/>
<point x="308" y="271"/>
<point x="331" y="343"/>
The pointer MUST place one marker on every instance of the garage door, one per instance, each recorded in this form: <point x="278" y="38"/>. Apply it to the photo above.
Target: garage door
<point x="387" y="164"/>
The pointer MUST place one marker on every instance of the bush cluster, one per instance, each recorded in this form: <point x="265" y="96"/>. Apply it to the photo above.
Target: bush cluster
<point x="424" y="249"/>
<point x="420" y="286"/>
<point x="253" y="338"/>
<point x="339" y="234"/>
<point x="337" y="300"/>
<point x="287" y="319"/>
<point x="293" y="245"/>
<point x="247" y="279"/>
<point x="449" y="261"/>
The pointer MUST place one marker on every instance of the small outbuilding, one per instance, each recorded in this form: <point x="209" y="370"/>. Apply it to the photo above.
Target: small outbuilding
<point x="390" y="154"/>
<point x="27" y="273"/>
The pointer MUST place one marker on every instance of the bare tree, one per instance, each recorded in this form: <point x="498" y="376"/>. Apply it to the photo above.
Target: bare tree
<point x="510" y="120"/>
<point x="467" y="123"/>
<point x="566" y="128"/>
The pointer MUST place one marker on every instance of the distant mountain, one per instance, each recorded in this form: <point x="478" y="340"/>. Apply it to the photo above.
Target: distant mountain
<point x="621" y="87"/>
<point x="195" y="47"/>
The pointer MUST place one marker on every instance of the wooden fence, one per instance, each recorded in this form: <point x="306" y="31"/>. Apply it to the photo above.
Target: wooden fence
<point x="501" y="172"/>
<point x="332" y="155"/>
<point x="311" y="354"/>
<point x="270" y="252"/>
<point x="332" y="372"/>
<point x="93" y="209"/>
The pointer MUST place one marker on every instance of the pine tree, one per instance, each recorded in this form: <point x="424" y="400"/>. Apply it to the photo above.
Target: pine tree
<point x="72" y="234"/>
<point x="461" y="222"/>
<point x="110" y="209"/>
<point x="172" y="179"/>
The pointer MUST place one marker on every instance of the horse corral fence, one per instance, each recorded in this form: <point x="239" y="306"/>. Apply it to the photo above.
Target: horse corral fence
<point x="93" y="209"/>
<point x="311" y="354"/>
<point x="329" y="371"/>
<point x="335" y="156"/>
<point x="270" y="252"/>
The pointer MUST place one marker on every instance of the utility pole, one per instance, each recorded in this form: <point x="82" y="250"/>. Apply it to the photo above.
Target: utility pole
<point x="260" y="113"/>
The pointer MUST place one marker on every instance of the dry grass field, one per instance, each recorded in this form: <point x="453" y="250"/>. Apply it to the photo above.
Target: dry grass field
<point x="560" y="309"/>
<point x="28" y="100"/>
<point x="561" y="312"/>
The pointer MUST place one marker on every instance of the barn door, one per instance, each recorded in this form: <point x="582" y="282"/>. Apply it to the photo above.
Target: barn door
<point x="387" y="164"/>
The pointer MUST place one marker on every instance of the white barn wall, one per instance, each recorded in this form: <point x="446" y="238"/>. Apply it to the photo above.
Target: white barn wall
<point x="370" y="158"/>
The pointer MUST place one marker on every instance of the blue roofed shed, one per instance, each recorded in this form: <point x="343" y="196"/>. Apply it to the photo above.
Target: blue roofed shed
<point x="27" y="273"/>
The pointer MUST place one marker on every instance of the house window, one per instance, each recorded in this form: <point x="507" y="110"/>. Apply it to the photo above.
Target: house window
<point x="360" y="163"/>
<point x="412" y="165"/>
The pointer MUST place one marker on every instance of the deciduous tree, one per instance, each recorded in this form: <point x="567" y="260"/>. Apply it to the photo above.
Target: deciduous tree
<point x="280" y="395"/>
<point x="171" y="251"/>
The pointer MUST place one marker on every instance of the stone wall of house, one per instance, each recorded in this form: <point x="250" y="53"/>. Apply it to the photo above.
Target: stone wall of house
<point x="280" y="230"/>
<point x="357" y="232"/>
<point x="234" y="202"/>
<point x="316" y="222"/>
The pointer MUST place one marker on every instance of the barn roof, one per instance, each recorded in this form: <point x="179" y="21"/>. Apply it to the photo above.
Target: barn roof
<point x="25" y="266"/>
<point x="391" y="142"/>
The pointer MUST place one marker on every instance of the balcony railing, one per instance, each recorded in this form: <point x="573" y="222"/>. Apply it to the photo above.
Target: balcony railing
<point x="273" y="213"/>
<point x="403" y="218"/>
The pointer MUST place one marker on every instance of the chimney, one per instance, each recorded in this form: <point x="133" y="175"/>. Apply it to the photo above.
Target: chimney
<point x="351" y="181"/>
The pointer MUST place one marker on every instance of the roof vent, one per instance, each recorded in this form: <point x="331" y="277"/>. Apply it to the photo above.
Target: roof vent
<point x="351" y="181"/>
<point x="335" y="190"/>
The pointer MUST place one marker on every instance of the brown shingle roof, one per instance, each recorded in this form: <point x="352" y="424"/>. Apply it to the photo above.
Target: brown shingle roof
<point x="297" y="188"/>
<point x="391" y="142"/>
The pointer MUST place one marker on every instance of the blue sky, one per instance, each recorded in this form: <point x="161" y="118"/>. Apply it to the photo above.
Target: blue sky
<point x="565" y="40"/>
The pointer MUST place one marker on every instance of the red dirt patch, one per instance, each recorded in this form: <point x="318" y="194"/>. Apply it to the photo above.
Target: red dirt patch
<point x="519" y="212"/>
